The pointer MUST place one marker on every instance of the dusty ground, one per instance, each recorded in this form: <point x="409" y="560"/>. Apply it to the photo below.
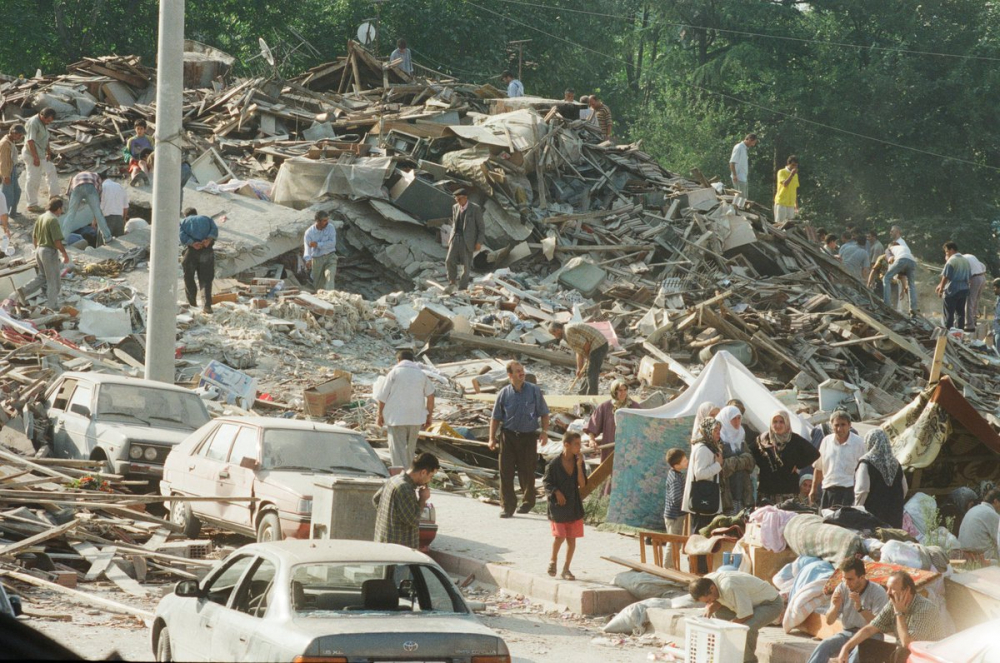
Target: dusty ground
<point x="533" y="634"/>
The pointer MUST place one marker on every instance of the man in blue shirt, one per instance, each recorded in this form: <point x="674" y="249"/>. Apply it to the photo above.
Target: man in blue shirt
<point x="517" y="412"/>
<point x="320" y="242"/>
<point x="954" y="285"/>
<point x="198" y="235"/>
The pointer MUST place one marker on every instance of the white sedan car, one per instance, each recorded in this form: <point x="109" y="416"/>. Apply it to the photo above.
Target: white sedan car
<point x="322" y="600"/>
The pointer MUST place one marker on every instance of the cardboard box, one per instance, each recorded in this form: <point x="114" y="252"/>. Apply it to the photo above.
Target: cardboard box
<point x="654" y="373"/>
<point x="429" y="324"/>
<point x="766" y="563"/>
<point x="322" y="397"/>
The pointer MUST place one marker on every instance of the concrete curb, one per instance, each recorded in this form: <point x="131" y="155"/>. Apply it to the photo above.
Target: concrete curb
<point x="579" y="596"/>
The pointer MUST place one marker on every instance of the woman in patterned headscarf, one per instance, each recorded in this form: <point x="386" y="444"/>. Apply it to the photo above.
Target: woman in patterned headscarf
<point x="879" y="484"/>
<point x="705" y="465"/>
<point x="781" y="454"/>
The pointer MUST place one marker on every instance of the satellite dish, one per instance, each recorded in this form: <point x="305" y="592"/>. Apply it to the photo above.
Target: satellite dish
<point x="366" y="33"/>
<point x="265" y="51"/>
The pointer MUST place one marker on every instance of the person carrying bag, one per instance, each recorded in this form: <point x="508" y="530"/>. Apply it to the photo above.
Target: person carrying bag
<point x="702" y="495"/>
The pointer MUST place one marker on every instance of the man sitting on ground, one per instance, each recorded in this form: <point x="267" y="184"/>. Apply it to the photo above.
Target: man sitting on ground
<point x="740" y="598"/>
<point x="980" y="528"/>
<point x="856" y="601"/>
<point x="907" y="614"/>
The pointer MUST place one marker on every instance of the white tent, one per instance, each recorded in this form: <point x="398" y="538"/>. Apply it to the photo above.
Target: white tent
<point x="722" y="379"/>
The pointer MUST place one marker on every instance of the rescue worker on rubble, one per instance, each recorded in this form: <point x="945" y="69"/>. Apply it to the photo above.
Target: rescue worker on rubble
<point x="467" y="237"/>
<point x="590" y="347"/>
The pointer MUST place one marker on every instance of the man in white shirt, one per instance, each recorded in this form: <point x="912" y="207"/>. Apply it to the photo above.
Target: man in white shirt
<point x="839" y="455"/>
<point x="739" y="164"/>
<point x="114" y="206"/>
<point x="980" y="528"/>
<point x="903" y="263"/>
<point x="740" y="598"/>
<point x="514" y="86"/>
<point x="405" y="405"/>
<point x="976" y="284"/>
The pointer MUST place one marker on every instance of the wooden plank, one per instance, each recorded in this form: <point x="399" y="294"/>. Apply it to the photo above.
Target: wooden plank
<point x="680" y="577"/>
<point x="598" y="476"/>
<point x="128" y="585"/>
<point x="937" y="361"/>
<point x="78" y="596"/>
<point x="11" y="548"/>
<point x="556" y="358"/>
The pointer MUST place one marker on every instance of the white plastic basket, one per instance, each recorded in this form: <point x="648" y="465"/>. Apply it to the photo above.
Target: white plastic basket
<point x="714" y="640"/>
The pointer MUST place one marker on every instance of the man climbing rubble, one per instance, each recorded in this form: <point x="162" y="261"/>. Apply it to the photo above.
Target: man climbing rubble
<point x="320" y="251"/>
<point x="467" y="237"/>
<point x="590" y="347"/>
<point x="198" y="235"/>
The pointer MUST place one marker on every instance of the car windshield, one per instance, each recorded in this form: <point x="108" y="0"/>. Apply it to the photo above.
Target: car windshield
<point x="319" y="451"/>
<point x="161" y="408"/>
<point x="342" y="589"/>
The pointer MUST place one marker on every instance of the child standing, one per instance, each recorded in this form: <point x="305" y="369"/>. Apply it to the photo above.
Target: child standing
<point x="564" y="476"/>
<point x="673" y="516"/>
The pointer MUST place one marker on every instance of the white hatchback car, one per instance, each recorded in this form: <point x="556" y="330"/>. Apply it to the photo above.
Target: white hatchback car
<point x="325" y="600"/>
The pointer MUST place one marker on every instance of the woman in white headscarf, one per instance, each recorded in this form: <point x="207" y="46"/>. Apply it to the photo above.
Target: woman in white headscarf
<point x="879" y="484"/>
<point x="706" y="410"/>
<point x="737" y="464"/>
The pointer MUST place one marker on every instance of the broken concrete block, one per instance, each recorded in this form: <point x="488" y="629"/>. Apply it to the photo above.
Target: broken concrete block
<point x="585" y="278"/>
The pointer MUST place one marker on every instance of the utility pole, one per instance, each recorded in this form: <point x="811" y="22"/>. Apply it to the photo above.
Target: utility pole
<point x="520" y="55"/>
<point x="161" y="321"/>
<point x="378" y="22"/>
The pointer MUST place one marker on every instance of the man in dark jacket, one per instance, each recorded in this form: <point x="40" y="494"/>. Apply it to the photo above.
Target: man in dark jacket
<point x="468" y="235"/>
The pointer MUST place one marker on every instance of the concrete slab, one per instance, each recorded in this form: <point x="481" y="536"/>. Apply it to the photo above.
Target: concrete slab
<point x="773" y="644"/>
<point x="514" y="554"/>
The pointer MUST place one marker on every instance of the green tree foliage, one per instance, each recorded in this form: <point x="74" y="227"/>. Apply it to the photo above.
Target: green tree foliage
<point x="840" y="83"/>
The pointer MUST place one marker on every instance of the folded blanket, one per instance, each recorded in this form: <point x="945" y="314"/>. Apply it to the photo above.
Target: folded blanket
<point x="772" y="526"/>
<point x="806" y="595"/>
<point x="806" y="534"/>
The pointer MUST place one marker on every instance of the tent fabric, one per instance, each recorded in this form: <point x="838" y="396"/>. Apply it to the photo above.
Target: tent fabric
<point x="722" y="379"/>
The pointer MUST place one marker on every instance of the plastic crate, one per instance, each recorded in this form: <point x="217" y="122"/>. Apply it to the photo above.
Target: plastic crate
<point x="714" y="640"/>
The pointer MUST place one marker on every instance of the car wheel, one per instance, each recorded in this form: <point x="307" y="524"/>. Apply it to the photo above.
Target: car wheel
<point x="163" y="653"/>
<point x="107" y="467"/>
<point x="269" y="528"/>
<point x="181" y="515"/>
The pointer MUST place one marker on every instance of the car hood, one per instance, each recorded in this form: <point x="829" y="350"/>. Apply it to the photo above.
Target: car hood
<point x="139" y="432"/>
<point x="344" y="624"/>
<point x="299" y="482"/>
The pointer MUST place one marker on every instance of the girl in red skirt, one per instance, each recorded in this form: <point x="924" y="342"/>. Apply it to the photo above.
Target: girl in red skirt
<point x="564" y="476"/>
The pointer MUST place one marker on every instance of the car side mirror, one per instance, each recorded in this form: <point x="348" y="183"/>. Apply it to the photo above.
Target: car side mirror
<point x="80" y="409"/>
<point x="250" y="463"/>
<point x="15" y="605"/>
<point x="187" y="589"/>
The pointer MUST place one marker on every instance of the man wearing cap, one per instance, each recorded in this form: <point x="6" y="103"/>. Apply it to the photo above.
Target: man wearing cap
<point x="467" y="237"/>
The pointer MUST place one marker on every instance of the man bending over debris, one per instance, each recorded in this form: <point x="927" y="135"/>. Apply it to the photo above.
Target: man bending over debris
<point x="320" y="251"/>
<point x="739" y="598"/>
<point x="907" y="614"/>
<point x="590" y="347"/>
<point x="47" y="238"/>
<point x="467" y="237"/>
<point x="198" y="235"/>
<point x="85" y="189"/>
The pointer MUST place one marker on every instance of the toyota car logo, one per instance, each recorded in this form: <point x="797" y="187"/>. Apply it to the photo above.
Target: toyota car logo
<point x="410" y="646"/>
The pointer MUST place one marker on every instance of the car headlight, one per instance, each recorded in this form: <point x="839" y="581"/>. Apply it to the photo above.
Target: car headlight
<point x="135" y="452"/>
<point x="304" y="506"/>
<point x="150" y="453"/>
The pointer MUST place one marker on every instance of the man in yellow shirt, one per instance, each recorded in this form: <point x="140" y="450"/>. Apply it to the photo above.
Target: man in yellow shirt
<point x="786" y="206"/>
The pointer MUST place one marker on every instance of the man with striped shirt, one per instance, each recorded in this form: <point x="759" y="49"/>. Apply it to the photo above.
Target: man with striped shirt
<point x="602" y="114"/>
<point x="590" y="347"/>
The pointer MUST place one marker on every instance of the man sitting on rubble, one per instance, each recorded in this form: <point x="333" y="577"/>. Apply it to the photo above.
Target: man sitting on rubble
<point x="839" y="455"/>
<point x="138" y="150"/>
<point x="590" y="347"/>
<point x="739" y="598"/>
<point x="514" y="87"/>
<point x="907" y="614"/>
<point x="980" y="529"/>
<point x="198" y="235"/>
<point x="855" y="602"/>
<point x="467" y="237"/>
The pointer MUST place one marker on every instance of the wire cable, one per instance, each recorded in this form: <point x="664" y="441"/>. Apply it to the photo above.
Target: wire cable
<point x="892" y="49"/>
<point x="744" y="101"/>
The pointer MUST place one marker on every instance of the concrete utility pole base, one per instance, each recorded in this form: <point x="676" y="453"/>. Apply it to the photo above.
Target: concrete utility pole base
<point x="161" y="321"/>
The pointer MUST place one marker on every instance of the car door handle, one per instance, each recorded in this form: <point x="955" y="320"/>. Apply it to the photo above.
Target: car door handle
<point x="224" y="474"/>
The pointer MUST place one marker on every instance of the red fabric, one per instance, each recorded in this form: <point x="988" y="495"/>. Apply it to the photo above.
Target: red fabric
<point x="573" y="530"/>
<point x="878" y="573"/>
